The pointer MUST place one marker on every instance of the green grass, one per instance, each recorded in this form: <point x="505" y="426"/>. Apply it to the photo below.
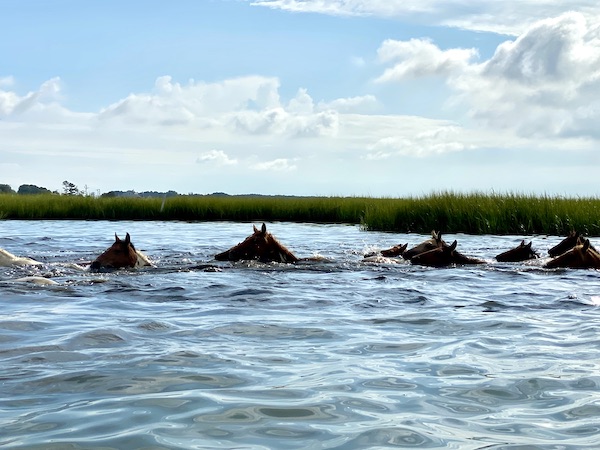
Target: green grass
<point x="487" y="214"/>
<point x="447" y="211"/>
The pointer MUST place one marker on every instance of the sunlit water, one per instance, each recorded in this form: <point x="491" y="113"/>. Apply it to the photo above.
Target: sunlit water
<point x="330" y="353"/>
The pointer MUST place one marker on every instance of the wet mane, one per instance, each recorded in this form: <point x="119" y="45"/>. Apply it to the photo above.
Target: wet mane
<point x="261" y="246"/>
<point x="444" y="256"/>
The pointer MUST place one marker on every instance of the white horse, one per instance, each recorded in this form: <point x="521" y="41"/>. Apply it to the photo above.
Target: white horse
<point x="8" y="259"/>
<point x="143" y="260"/>
<point x="40" y="281"/>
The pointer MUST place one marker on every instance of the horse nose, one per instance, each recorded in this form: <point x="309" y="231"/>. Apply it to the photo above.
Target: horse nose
<point x="95" y="265"/>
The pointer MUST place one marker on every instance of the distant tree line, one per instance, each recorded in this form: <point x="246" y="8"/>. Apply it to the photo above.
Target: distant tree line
<point x="25" y="189"/>
<point x="6" y="189"/>
<point x="68" y="189"/>
<point x="72" y="189"/>
<point x="139" y="194"/>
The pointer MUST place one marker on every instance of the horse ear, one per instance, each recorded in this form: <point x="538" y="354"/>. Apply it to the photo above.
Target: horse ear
<point x="263" y="229"/>
<point x="127" y="239"/>
<point x="453" y="245"/>
<point x="529" y="245"/>
<point x="117" y="238"/>
<point x="586" y="245"/>
<point x="523" y="243"/>
<point x="255" y="229"/>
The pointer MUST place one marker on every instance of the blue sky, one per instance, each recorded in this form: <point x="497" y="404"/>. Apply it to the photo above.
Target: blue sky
<point x="315" y="97"/>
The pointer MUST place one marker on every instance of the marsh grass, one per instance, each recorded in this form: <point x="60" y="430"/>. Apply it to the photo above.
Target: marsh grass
<point x="487" y="214"/>
<point x="447" y="211"/>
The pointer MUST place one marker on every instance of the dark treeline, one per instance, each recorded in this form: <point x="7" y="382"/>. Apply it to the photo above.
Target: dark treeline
<point x="72" y="189"/>
<point x="25" y="189"/>
<point x="447" y="212"/>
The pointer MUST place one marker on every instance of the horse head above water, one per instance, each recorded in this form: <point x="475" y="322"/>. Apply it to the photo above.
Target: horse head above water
<point x="521" y="252"/>
<point x="574" y="238"/>
<point x="119" y="255"/>
<point x="582" y="256"/>
<point x="443" y="256"/>
<point x="436" y="241"/>
<point x="396" y="250"/>
<point x="261" y="246"/>
<point x="392" y="252"/>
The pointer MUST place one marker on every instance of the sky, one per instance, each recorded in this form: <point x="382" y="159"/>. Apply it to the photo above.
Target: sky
<point x="380" y="98"/>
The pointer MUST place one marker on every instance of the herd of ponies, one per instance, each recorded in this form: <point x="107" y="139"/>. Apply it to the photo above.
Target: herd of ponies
<point x="574" y="252"/>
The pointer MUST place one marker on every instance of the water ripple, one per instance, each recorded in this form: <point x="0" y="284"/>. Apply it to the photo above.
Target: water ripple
<point x="337" y="353"/>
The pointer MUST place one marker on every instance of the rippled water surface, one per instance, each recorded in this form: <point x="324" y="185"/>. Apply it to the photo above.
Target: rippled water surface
<point x="335" y="352"/>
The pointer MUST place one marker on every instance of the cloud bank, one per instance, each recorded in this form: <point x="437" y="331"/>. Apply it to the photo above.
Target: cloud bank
<point x="545" y="83"/>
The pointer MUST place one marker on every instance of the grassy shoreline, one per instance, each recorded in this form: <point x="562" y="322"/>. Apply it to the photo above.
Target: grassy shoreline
<point x="449" y="212"/>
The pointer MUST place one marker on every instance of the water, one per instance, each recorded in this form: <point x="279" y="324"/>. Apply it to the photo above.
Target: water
<point x="337" y="353"/>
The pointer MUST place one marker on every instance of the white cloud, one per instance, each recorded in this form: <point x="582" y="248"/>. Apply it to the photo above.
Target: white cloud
<point x="435" y="141"/>
<point x="279" y="122"/>
<point x="174" y="103"/>
<point x="418" y="58"/>
<point x="271" y="121"/>
<point x="302" y="103"/>
<point x="298" y="119"/>
<point x="384" y="8"/>
<point x="553" y="50"/>
<point x="363" y="103"/>
<point x="7" y="81"/>
<point x="505" y="17"/>
<point x="217" y="157"/>
<point x="277" y="165"/>
<point x="249" y="105"/>
<point x="35" y="101"/>
<point x="512" y="17"/>
<point x="542" y="83"/>
<point x="546" y="82"/>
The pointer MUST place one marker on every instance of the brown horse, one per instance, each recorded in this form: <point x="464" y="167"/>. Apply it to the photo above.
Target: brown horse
<point x="261" y="246"/>
<point x="582" y="256"/>
<point x="436" y="241"/>
<point x="443" y="256"/>
<point x="521" y="252"/>
<point x="119" y="255"/>
<point x="392" y="252"/>
<point x="574" y="238"/>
